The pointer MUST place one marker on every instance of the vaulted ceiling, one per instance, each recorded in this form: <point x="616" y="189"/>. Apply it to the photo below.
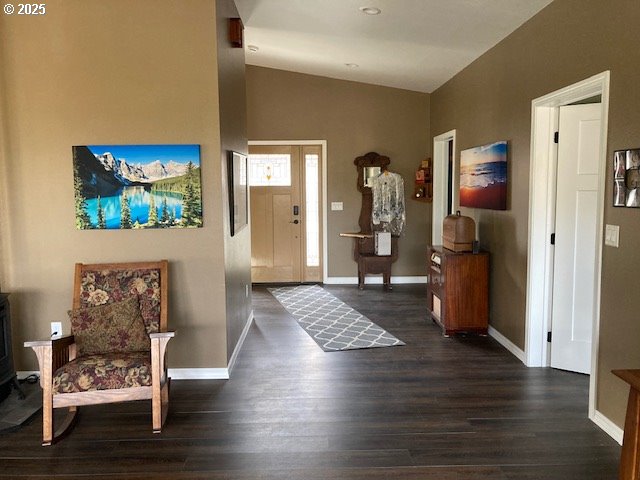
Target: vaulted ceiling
<point x="411" y="44"/>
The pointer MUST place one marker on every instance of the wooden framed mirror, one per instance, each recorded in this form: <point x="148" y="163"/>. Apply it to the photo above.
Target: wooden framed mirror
<point x="369" y="174"/>
<point x="369" y="166"/>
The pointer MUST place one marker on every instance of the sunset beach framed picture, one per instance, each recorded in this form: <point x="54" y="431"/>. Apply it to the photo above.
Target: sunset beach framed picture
<point x="483" y="177"/>
<point x="137" y="186"/>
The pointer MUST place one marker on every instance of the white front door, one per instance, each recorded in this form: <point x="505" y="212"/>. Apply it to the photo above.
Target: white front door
<point x="576" y="236"/>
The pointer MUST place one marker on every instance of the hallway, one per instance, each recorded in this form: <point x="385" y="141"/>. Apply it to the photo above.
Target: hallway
<point x="437" y="408"/>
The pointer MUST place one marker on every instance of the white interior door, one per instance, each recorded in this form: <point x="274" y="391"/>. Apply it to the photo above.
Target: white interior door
<point x="576" y="234"/>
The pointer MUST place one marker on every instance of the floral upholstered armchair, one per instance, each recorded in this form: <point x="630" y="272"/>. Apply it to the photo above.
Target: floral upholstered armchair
<point x="117" y="348"/>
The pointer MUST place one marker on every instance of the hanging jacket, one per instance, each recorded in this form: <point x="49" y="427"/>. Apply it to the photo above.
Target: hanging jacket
<point x="388" y="202"/>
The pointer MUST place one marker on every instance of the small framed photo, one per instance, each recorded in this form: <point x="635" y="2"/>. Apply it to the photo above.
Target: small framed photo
<point x="238" y="191"/>
<point x="626" y="178"/>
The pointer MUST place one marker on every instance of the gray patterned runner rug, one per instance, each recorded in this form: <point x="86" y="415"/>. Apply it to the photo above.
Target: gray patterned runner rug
<point x="333" y="324"/>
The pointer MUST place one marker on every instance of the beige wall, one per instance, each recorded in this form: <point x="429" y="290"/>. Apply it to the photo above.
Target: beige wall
<point x="233" y="136"/>
<point x="4" y="194"/>
<point x="354" y="119"/>
<point x="109" y="72"/>
<point x="491" y="100"/>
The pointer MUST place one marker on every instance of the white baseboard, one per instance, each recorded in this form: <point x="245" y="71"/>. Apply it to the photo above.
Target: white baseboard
<point x="508" y="344"/>
<point x="22" y="374"/>
<point x="373" y="280"/>
<point x="243" y="335"/>
<point x="199" y="373"/>
<point x="213" y="373"/>
<point x="610" y="428"/>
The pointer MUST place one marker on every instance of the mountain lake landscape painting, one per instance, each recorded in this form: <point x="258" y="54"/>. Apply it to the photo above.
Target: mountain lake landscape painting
<point x="483" y="177"/>
<point x="137" y="186"/>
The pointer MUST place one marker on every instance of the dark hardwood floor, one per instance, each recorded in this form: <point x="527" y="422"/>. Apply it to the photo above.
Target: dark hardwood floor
<point x="437" y="408"/>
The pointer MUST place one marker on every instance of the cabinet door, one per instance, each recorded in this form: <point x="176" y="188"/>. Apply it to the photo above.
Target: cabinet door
<point x="467" y="293"/>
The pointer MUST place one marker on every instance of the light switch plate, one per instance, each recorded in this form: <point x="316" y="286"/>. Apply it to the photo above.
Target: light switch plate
<point x="612" y="235"/>
<point x="336" y="206"/>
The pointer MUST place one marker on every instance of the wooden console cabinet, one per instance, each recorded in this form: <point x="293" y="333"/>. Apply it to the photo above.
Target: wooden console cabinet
<point x="458" y="290"/>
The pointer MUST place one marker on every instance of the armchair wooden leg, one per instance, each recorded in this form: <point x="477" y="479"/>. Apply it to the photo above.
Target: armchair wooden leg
<point x="160" y="379"/>
<point x="156" y="414"/>
<point x="160" y="407"/>
<point x="47" y="419"/>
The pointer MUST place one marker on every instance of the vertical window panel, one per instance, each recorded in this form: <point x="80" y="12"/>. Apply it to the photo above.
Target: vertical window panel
<point x="312" y="212"/>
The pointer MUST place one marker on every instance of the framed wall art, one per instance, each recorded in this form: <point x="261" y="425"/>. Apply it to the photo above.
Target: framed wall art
<point x="137" y="186"/>
<point x="238" y="191"/>
<point x="483" y="176"/>
<point x="626" y="178"/>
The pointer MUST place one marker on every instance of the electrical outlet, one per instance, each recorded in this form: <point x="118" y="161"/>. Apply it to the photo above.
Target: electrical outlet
<point x="56" y="328"/>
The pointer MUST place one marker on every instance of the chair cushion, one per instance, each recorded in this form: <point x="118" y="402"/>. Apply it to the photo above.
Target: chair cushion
<point x="113" y="327"/>
<point x="103" y="372"/>
<point x="99" y="287"/>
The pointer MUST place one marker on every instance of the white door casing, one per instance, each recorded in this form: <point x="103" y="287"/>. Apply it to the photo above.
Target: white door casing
<point x="440" y="182"/>
<point x="574" y="266"/>
<point x="542" y="180"/>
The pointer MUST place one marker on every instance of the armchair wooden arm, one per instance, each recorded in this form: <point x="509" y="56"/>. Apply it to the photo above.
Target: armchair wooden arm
<point x="158" y="350"/>
<point x="52" y="354"/>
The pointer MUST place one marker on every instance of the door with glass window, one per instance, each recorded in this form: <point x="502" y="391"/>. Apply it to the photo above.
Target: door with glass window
<point x="286" y="204"/>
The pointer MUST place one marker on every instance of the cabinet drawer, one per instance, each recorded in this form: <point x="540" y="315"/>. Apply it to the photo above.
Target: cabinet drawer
<point x="436" y="279"/>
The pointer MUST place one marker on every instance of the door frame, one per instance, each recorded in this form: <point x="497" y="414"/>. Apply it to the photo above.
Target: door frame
<point x="323" y="144"/>
<point x="440" y="182"/>
<point x="542" y="200"/>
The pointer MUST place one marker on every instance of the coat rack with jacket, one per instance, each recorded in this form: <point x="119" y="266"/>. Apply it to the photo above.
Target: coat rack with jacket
<point x="369" y="167"/>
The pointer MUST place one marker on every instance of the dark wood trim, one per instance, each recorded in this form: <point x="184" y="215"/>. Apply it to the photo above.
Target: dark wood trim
<point x="236" y="32"/>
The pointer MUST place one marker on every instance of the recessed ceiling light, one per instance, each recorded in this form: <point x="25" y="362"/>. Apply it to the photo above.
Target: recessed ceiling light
<point x="370" y="10"/>
<point x="253" y="48"/>
<point x="352" y="65"/>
